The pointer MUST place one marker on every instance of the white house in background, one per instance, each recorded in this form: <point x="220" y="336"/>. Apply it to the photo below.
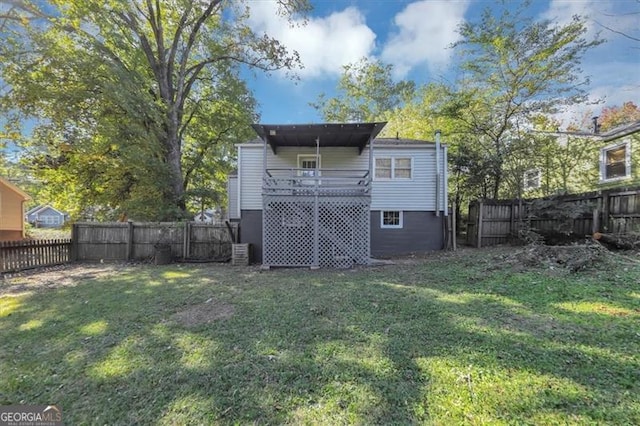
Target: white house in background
<point x="45" y="216"/>
<point x="207" y="216"/>
<point x="335" y="195"/>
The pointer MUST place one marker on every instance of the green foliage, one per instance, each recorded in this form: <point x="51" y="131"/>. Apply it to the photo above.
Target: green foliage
<point x="366" y="92"/>
<point x="136" y="102"/>
<point x="512" y="69"/>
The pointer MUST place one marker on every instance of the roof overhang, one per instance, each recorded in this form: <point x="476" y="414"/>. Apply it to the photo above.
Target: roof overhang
<point x="325" y="135"/>
<point x="15" y="189"/>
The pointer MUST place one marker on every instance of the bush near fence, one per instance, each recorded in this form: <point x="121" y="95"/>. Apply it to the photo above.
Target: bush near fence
<point x="493" y="222"/>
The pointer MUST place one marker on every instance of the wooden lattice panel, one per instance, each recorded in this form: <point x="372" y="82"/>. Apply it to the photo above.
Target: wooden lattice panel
<point x="289" y="231"/>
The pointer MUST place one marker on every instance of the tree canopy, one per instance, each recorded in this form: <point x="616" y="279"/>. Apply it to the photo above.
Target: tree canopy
<point x="366" y="92"/>
<point x="137" y="103"/>
<point x="512" y="69"/>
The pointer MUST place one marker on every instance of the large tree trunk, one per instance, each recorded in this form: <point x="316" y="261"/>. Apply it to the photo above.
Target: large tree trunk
<point x="173" y="159"/>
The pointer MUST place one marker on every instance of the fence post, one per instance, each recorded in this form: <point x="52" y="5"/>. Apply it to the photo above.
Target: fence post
<point x="479" y="227"/>
<point x="129" y="240"/>
<point x="186" y="240"/>
<point x="606" y="209"/>
<point x="74" y="243"/>
<point x="595" y="226"/>
<point x="454" y="230"/>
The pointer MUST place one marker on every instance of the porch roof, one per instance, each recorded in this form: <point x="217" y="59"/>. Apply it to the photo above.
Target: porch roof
<point x="328" y="134"/>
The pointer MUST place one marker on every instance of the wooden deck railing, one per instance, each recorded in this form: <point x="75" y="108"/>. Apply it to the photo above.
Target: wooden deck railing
<point x="20" y="255"/>
<point x="328" y="182"/>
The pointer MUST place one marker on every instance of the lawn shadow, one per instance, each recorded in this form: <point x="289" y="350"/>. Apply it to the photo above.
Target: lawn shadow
<point x="374" y="346"/>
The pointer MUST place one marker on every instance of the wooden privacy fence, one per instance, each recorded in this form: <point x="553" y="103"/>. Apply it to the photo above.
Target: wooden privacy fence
<point x="492" y="222"/>
<point x="139" y="241"/>
<point x="20" y="255"/>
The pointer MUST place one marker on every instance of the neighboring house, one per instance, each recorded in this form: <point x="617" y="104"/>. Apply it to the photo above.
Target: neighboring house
<point x="12" y="201"/>
<point x="620" y="155"/>
<point x="604" y="160"/>
<point x="333" y="195"/>
<point x="204" y="217"/>
<point x="45" y="216"/>
<point x="207" y="216"/>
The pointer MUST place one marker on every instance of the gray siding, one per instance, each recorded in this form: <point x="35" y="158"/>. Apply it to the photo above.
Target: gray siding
<point x="250" y="177"/>
<point x="251" y="232"/>
<point x="232" y="197"/>
<point x="415" y="194"/>
<point x="421" y="231"/>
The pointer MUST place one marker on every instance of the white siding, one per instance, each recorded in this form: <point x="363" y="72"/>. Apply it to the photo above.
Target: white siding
<point x="250" y="177"/>
<point x="417" y="194"/>
<point x="232" y="197"/>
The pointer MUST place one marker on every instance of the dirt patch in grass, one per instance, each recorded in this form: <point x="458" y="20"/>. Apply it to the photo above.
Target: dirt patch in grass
<point x="54" y="277"/>
<point x="204" y="313"/>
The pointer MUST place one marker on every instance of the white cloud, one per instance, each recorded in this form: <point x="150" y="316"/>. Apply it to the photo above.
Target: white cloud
<point x="324" y="44"/>
<point x="425" y="30"/>
<point x="599" y="14"/>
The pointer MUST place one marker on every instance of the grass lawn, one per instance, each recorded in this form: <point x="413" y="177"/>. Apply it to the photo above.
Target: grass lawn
<point x="449" y="339"/>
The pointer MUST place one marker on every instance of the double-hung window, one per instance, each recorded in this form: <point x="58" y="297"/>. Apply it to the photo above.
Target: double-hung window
<point x="615" y="162"/>
<point x="387" y="168"/>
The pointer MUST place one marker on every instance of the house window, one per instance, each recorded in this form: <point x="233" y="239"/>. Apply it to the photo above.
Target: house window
<point x="615" y="162"/>
<point x="308" y="164"/>
<point x="531" y="179"/>
<point x="391" y="219"/>
<point x="50" y="220"/>
<point x="393" y="168"/>
<point x="383" y="168"/>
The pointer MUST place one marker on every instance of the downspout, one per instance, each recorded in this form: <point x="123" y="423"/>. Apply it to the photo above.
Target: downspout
<point x="445" y="180"/>
<point x="239" y="183"/>
<point x="437" y="173"/>
<point x="264" y="206"/>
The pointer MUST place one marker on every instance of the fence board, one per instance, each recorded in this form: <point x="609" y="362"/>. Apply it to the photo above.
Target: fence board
<point x="21" y="255"/>
<point x="138" y="241"/>
<point x="618" y="211"/>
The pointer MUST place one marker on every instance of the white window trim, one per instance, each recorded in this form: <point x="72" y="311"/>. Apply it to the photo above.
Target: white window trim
<point x="524" y="179"/>
<point x="627" y="161"/>
<point x="302" y="157"/>
<point x="383" y="226"/>
<point x="393" y="167"/>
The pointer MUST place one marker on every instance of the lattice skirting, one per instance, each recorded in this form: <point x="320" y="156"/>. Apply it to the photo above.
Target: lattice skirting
<point x="291" y="226"/>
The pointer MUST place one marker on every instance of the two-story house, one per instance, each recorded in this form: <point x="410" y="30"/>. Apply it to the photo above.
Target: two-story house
<point x="620" y="155"/>
<point x="335" y="195"/>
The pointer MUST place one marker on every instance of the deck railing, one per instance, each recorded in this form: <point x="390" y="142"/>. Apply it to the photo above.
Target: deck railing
<point x="328" y="182"/>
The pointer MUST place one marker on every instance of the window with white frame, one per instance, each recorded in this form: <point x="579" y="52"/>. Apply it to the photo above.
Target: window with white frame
<point x="615" y="161"/>
<point x="393" y="168"/>
<point x="531" y="179"/>
<point x="391" y="219"/>
<point x="308" y="164"/>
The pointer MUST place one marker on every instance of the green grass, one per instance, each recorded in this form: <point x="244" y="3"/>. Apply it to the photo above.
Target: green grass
<point x="452" y="339"/>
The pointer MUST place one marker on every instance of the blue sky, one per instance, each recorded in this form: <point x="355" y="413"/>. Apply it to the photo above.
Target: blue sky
<point x="414" y="36"/>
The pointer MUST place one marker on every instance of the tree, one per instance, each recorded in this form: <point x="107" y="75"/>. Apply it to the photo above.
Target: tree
<point x="366" y="92"/>
<point x="135" y="93"/>
<point x="513" y="68"/>
<point x="614" y="116"/>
